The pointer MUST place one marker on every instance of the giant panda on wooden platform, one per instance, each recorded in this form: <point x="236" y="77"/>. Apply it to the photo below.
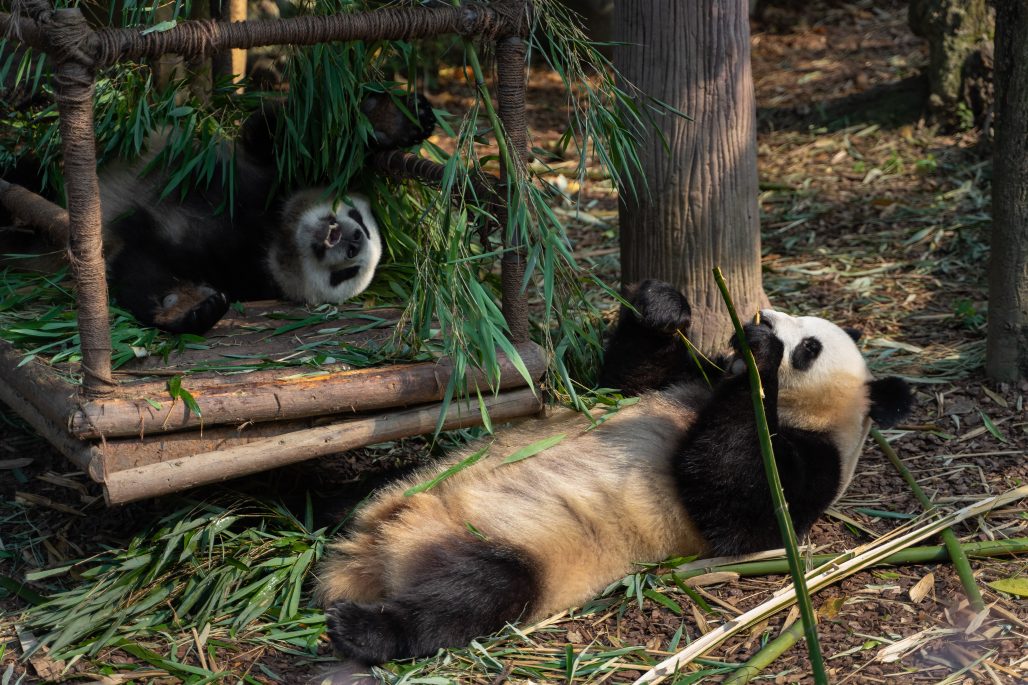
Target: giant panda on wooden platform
<point x="177" y="262"/>
<point x="678" y="473"/>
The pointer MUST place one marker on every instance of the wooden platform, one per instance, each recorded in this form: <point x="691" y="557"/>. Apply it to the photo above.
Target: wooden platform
<point x="140" y="442"/>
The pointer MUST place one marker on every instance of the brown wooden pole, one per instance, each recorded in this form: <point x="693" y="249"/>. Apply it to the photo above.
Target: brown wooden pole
<point x="179" y="474"/>
<point x="264" y="396"/>
<point x="510" y="69"/>
<point x="36" y="211"/>
<point x="74" y="84"/>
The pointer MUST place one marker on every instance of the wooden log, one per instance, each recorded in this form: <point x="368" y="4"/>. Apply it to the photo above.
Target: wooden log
<point x="48" y="423"/>
<point x="119" y="454"/>
<point x="179" y="474"/>
<point x="276" y="398"/>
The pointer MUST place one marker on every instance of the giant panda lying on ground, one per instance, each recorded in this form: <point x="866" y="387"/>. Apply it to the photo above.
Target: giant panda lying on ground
<point x="176" y="263"/>
<point x="677" y="473"/>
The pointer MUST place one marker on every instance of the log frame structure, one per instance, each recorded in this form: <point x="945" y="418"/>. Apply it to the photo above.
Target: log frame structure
<point x="116" y="433"/>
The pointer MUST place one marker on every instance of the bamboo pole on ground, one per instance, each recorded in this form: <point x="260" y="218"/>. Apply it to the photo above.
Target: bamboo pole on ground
<point x="949" y="538"/>
<point x="859" y="559"/>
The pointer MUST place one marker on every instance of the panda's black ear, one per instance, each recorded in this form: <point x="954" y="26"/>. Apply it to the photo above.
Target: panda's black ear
<point x="891" y="400"/>
<point x="854" y="333"/>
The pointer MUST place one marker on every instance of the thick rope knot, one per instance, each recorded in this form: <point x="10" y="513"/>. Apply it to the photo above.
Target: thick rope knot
<point x="514" y="18"/>
<point x="69" y="38"/>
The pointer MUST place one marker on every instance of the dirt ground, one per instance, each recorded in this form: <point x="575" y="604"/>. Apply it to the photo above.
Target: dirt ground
<point x="872" y="217"/>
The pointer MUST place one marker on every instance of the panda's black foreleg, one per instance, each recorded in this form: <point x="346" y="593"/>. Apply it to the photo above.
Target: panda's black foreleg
<point x="459" y="590"/>
<point x="644" y="351"/>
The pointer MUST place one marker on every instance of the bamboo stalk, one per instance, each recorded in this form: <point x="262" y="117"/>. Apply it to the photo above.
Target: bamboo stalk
<point x="913" y="555"/>
<point x="766" y="655"/>
<point x="949" y="538"/>
<point x="792" y="552"/>
<point x="863" y="558"/>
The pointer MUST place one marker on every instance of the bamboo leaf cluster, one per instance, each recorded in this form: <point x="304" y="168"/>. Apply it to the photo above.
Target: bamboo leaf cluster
<point x="209" y="567"/>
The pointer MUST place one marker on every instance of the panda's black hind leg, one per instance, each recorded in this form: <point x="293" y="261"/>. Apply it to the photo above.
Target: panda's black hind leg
<point x="190" y="308"/>
<point x="644" y="351"/>
<point x="151" y="291"/>
<point x="368" y="633"/>
<point x="455" y="591"/>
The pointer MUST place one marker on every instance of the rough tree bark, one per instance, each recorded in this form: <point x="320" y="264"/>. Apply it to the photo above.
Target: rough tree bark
<point x="701" y="207"/>
<point x="1007" y="351"/>
<point x="955" y="30"/>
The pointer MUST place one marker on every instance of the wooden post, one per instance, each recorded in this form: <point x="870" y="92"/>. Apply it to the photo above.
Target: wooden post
<point x="510" y="68"/>
<point x="74" y="83"/>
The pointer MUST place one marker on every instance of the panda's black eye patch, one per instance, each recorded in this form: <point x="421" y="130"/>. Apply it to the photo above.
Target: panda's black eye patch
<point x="805" y="353"/>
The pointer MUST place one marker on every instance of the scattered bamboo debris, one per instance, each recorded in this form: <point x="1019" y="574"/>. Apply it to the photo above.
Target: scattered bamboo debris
<point x="846" y="565"/>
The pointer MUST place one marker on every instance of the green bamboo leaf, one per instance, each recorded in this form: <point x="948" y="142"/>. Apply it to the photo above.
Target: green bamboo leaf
<point x="535" y="448"/>
<point x="1018" y="585"/>
<point x="663" y="600"/>
<point x="991" y="427"/>
<point x="456" y="468"/>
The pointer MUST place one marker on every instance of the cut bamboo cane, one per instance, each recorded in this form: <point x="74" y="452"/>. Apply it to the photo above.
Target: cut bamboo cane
<point x="766" y="655"/>
<point x="819" y="579"/>
<point x="284" y="399"/>
<point x="913" y="555"/>
<point x="956" y="554"/>
<point x="179" y="474"/>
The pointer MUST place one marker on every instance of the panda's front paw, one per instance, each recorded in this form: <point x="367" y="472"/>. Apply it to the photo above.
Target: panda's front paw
<point x="190" y="309"/>
<point x="767" y="349"/>
<point x="660" y="307"/>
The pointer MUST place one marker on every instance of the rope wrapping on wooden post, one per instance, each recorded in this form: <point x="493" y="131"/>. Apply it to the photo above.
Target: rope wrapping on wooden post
<point x="69" y="41"/>
<point x="67" y="34"/>
<point x="200" y="37"/>
<point x="510" y="67"/>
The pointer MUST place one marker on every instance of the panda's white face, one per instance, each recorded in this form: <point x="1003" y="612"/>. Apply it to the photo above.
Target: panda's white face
<point x="823" y="383"/>
<point x="816" y="350"/>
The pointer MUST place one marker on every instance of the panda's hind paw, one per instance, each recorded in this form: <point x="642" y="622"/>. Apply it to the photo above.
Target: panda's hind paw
<point x="368" y="633"/>
<point x="661" y="307"/>
<point x="190" y="309"/>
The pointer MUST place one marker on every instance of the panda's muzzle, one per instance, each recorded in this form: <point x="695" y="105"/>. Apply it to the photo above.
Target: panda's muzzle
<point x="347" y="238"/>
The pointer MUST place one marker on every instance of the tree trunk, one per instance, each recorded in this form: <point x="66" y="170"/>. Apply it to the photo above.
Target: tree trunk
<point x="1007" y="353"/>
<point x="700" y="210"/>
<point x="955" y="31"/>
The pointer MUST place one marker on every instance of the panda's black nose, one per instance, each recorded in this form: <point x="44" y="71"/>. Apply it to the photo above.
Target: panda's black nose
<point x="354" y="242"/>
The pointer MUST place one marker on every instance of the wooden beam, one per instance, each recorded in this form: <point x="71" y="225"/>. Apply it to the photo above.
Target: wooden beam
<point x="238" y="400"/>
<point x="179" y="474"/>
